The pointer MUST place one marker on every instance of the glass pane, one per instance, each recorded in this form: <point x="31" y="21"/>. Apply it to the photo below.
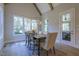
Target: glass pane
<point x="45" y="21"/>
<point x="45" y="28"/>
<point x="66" y="17"/>
<point x="66" y="36"/>
<point x="46" y="25"/>
<point x="65" y="27"/>
<point x="18" y="25"/>
<point x="27" y="24"/>
<point x="34" y="25"/>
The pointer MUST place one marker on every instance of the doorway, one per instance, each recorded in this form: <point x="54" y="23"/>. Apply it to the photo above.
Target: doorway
<point x="67" y="27"/>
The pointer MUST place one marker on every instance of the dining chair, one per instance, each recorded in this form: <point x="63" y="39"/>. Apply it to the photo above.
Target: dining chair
<point x="49" y="42"/>
<point x="27" y="38"/>
<point x="32" y="41"/>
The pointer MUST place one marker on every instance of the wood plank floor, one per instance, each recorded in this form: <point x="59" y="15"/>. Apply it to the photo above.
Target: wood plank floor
<point x="68" y="50"/>
<point x="19" y="49"/>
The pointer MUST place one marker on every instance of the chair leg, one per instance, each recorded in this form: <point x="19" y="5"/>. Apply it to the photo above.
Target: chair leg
<point x="33" y="50"/>
<point x="54" y="50"/>
<point x="51" y="50"/>
<point x="47" y="53"/>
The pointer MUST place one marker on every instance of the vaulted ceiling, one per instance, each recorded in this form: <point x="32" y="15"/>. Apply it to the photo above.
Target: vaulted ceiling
<point x="44" y="7"/>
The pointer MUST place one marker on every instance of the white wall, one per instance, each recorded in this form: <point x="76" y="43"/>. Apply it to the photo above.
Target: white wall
<point x="1" y="26"/>
<point x="24" y="10"/>
<point x="77" y="25"/>
<point x="53" y="19"/>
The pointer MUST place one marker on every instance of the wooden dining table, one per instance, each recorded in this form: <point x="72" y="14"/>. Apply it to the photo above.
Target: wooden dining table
<point x="40" y="38"/>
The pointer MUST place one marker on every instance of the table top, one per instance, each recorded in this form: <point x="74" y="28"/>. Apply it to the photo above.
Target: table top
<point x="40" y="36"/>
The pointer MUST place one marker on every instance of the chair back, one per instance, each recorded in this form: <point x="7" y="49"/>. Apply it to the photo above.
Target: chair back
<point x="50" y="41"/>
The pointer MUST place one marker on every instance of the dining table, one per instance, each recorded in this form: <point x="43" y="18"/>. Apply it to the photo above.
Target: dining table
<point x="39" y="38"/>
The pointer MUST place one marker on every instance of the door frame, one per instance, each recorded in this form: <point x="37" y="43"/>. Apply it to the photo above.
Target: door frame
<point x="73" y="41"/>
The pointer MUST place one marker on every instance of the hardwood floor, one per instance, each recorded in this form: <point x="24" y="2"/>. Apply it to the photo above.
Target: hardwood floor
<point x="19" y="49"/>
<point x="68" y="50"/>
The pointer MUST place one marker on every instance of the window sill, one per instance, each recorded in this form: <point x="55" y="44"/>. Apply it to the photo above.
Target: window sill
<point x="18" y="34"/>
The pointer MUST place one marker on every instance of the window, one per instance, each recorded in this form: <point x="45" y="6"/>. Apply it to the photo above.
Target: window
<point x="30" y="24"/>
<point x="27" y="24"/>
<point x="66" y="17"/>
<point x="34" y="25"/>
<point x="24" y="24"/>
<point x="45" y="25"/>
<point x="66" y="22"/>
<point x="18" y="25"/>
<point x="65" y="26"/>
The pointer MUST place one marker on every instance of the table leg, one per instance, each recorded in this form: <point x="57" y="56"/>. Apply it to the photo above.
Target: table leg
<point x="38" y="47"/>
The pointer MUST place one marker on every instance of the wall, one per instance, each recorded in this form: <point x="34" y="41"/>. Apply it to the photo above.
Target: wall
<point x="77" y="25"/>
<point x="24" y="10"/>
<point x="1" y="26"/>
<point x="53" y="19"/>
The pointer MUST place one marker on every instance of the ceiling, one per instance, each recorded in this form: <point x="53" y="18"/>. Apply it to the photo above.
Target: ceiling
<point x="45" y="7"/>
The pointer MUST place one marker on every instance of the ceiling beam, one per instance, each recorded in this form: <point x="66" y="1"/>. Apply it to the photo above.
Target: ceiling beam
<point x="50" y="5"/>
<point x="37" y="9"/>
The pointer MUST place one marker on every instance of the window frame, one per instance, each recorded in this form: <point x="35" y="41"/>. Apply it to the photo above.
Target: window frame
<point x="15" y="25"/>
<point x="23" y="25"/>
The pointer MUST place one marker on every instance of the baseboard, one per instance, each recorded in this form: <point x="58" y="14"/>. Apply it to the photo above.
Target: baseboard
<point x="12" y="42"/>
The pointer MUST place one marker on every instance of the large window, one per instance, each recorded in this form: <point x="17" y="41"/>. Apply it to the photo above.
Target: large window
<point x="22" y="24"/>
<point x="27" y="24"/>
<point x="18" y="25"/>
